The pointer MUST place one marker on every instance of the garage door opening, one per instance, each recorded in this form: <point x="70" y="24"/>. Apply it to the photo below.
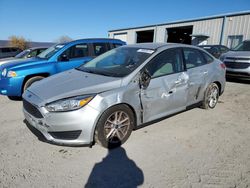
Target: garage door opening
<point x="180" y="34"/>
<point x="145" y="36"/>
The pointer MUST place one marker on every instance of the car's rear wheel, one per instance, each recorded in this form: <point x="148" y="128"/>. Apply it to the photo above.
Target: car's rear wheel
<point x="31" y="80"/>
<point x="211" y="96"/>
<point x="114" y="126"/>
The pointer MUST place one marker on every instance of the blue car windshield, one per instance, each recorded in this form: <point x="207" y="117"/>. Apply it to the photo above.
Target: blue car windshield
<point x="118" y="62"/>
<point x="50" y="51"/>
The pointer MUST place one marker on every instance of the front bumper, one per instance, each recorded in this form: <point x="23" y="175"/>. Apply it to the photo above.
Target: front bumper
<point x="66" y="128"/>
<point x="11" y="86"/>
<point x="238" y="73"/>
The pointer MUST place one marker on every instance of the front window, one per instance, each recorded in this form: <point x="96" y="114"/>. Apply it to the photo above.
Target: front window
<point x="118" y="62"/>
<point x="244" y="46"/>
<point x="50" y="51"/>
<point x="22" y="54"/>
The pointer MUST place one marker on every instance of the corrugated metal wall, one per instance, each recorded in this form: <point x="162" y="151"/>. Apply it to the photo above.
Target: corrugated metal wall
<point x="237" y="25"/>
<point x="234" y="25"/>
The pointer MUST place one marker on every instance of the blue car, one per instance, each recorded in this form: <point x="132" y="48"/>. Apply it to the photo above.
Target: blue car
<point x="18" y="75"/>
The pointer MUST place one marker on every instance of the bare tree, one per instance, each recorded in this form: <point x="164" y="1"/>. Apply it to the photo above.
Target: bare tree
<point x="64" y="38"/>
<point x="19" y="42"/>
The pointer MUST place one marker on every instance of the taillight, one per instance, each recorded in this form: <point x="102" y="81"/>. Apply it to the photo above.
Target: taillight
<point x="222" y="65"/>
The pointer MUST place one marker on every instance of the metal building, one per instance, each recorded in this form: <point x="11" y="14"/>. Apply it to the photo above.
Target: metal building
<point x="228" y="29"/>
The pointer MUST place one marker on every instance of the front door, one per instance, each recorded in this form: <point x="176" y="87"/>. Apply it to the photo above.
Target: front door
<point x="167" y="90"/>
<point x="73" y="57"/>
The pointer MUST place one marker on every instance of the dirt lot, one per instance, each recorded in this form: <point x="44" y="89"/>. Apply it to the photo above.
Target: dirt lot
<point x="197" y="148"/>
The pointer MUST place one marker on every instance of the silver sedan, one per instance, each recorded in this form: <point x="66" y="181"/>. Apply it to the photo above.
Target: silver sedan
<point x="105" y="99"/>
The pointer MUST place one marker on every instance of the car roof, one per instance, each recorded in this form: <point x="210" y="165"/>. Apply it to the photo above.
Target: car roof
<point x="155" y="46"/>
<point x="89" y="40"/>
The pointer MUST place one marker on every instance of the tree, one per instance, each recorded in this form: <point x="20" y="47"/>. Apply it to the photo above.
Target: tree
<point x="19" y="42"/>
<point x="64" y="38"/>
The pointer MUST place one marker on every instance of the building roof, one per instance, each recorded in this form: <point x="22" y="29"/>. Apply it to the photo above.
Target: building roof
<point x="188" y="20"/>
<point x="154" y="46"/>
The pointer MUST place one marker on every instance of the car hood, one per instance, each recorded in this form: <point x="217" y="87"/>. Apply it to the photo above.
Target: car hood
<point x="72" y="83"/>
<point x="7" y="60"/>
<point x="237" y="54"/>
<point x="18" y="63"/>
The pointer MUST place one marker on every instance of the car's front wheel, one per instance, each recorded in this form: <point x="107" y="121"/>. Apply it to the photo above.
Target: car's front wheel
<point x="30" y="81"/>
<point x="211" y="96"/>
<point x="114" y="126"/>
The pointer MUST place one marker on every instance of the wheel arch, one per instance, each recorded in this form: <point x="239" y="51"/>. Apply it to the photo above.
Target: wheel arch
<point x="219" y="86"/>
<point x="118" y="104"/>
<point x="27" y="77"/>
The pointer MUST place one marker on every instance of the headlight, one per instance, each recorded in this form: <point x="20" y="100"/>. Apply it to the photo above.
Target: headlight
<point x="10" y="74"/>
<point x="4" y="72"/>
<point x="69" y="104"/>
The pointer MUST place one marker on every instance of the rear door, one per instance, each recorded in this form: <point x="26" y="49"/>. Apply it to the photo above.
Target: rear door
<point x="76" y="55"/>
<point x="167" y="90"/>
<point x="197" y="70"/>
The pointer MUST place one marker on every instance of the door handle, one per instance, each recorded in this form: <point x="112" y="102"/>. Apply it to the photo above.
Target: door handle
<point x="205" y="72"/>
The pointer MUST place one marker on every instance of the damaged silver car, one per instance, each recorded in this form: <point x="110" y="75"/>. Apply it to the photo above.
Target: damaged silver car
<point x="105" y="99"/>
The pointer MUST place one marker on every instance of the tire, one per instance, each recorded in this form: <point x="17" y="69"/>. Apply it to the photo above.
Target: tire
<point x="211" y="96"/>
<point x="15" y="98"/>
<point x="111" y="134"/>
<point x="30" y="81"/>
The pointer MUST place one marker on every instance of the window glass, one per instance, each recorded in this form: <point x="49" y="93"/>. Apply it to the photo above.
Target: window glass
<point x="33" y="53"/>
<point x="224" y="49"/>
<point x="234" y="40"/>
<point x="99" y="48"/>
<point x="118" y="62"/>
<point x="76" y="51"/>
<point x="167" y="62"/>
<point x="244" y="46"/>
<point x="193" y="58"/>
<point x="207" y="57"/>
<point x="51" y="51"/>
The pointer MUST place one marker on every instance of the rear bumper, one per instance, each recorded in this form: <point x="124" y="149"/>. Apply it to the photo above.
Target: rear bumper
<point x="11" y="86"/>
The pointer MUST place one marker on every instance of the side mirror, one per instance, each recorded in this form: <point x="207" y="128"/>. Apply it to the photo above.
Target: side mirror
<point x="145" y="78"/>
<point x="29" y="56"/>
<point x="64" y="57"/>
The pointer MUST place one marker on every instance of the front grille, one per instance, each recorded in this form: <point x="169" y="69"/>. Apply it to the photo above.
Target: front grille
<point x="66" y="135"/>
<point x="236" y="65"/>
<point x="32" y="109"/>
<point x="242" y="74"/>
<point x="239" y="58"/>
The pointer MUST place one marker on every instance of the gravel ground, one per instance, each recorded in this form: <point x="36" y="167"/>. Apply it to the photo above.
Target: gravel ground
<point x="196" y="148"/>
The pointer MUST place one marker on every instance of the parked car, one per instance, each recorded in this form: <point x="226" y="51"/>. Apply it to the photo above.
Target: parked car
<point x="17" y="76"/>
<point x="105" y="99"/>
<point x="215" y="50"/>
<point x="28" y="53"/>
<point x="9" y="52"/>
<point x="237" y="61"/>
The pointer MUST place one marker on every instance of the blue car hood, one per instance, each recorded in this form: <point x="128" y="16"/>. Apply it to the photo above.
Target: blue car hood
<point x="72" y="83"/>
<point x="18" y="63"/>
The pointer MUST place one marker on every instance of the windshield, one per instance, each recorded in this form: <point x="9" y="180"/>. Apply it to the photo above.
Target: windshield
<point x="50" y="51"/>
<point x="244" y="46"/>
<point x="22" y="54"/>
<point x="118" y="62"/>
